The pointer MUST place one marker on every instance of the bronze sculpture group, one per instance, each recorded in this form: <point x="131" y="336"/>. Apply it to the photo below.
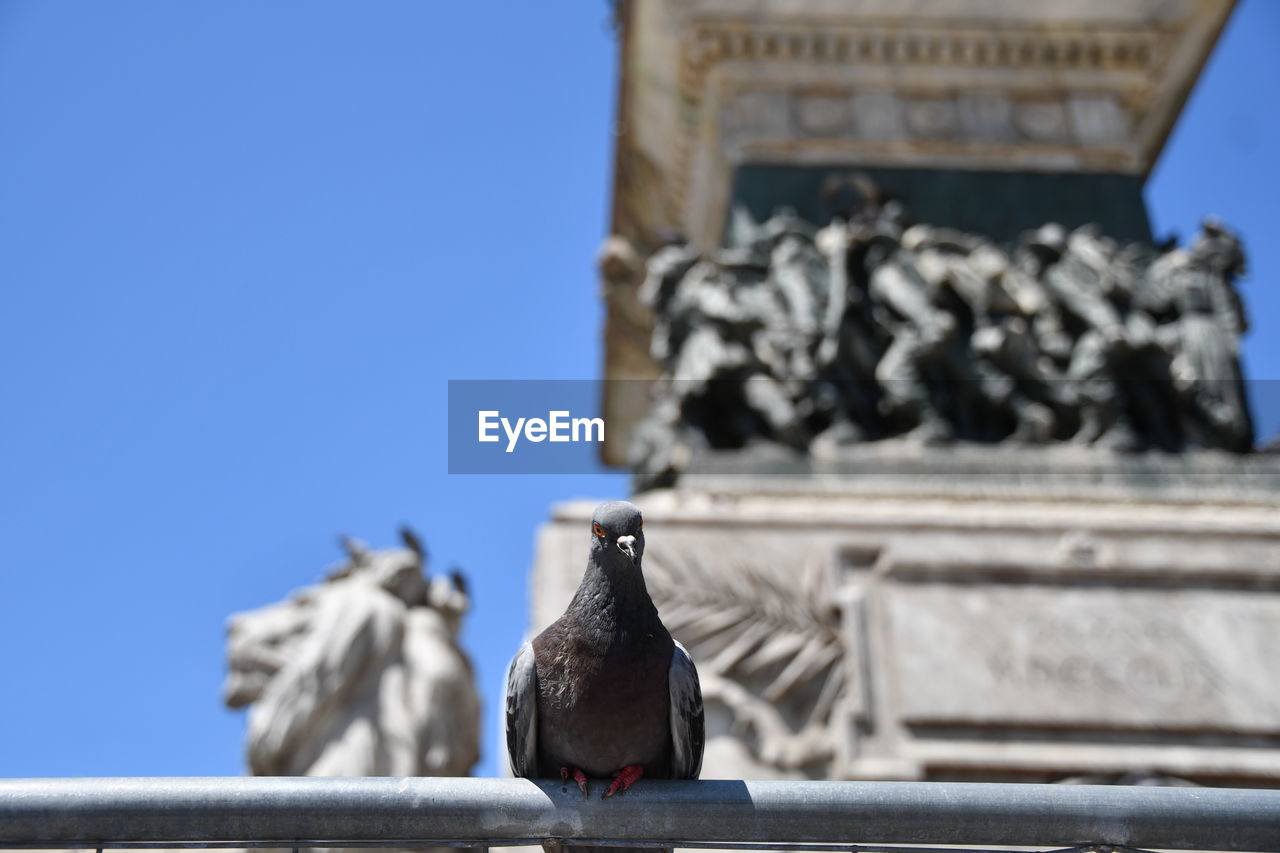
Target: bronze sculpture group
<point x="871" y="329"/>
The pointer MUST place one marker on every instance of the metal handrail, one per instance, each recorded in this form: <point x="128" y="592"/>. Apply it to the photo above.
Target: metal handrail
<point x="409" y="812"/>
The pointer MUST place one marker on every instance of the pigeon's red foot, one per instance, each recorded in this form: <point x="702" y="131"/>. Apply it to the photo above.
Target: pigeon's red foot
<point x="578" y="776"/>
<point x="623" y="778"/>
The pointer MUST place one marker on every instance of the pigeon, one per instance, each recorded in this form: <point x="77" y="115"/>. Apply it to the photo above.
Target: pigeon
<point x="605" y="692"/>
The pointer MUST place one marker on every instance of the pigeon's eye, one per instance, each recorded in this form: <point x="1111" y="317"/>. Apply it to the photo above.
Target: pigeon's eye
<point x="597" y="530"/>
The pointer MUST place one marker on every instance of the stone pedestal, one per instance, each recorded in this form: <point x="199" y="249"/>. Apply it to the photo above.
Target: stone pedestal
<point x="966" y="613"/>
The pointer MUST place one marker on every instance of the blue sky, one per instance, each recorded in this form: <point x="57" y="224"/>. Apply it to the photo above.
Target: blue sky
<point x="244" y="246"/>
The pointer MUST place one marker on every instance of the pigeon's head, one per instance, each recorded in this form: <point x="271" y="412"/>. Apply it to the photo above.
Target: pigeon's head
<point x="617" y="534"/>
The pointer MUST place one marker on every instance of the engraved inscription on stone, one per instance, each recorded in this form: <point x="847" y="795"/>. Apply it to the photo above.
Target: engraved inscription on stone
<point x="1089" y="657"/>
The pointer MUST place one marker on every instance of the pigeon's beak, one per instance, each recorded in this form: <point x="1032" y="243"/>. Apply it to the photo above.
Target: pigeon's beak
<point x="628" y="545"/>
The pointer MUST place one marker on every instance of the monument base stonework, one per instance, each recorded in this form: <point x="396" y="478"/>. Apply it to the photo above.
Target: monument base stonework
<point x="968" y="613"/>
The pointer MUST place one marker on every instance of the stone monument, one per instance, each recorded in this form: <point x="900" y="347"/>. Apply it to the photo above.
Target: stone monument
<point x="947" y="466"/>
<point x="360" y="675"/>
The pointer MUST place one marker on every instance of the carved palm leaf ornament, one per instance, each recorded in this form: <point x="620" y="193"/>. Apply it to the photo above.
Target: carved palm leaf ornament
<point x="767" y="643"/>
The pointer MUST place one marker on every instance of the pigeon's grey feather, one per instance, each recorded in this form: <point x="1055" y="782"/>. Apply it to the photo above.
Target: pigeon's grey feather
<point x="522" y="714"/>
<point x="687" y="731"/>
<point x="605" y="687"/>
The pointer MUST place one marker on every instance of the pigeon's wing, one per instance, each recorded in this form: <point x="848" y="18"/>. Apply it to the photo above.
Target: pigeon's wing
<point x="686" y="716"/>
<point x="522" y="714"/>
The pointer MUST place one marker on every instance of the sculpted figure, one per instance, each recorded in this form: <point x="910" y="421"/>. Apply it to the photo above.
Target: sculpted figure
<point x="360" y="675"/>
<point x="797" y="274"/>
<point x="663" y="442"/>
<point x="1017" y="380"/>
<point x="1024" y="281"/>
<point x="757" y="398"/>
<point x="665" y="271"/>
<point x="1019" y="343"/>
<point x="788" y="305"/>
<point x="1119" y="372"/>
<point x="1077" y="273"/>
<point x="1014" y="388"/>
<point x="693" y="309"/>
<point x="725" y="371"/>
<point x="852" y="343"/>
<point x="735" y="335"/>
<point x="921" y="375"/>
<point x="1205" y="337"/>
<point x="797" y="267"/>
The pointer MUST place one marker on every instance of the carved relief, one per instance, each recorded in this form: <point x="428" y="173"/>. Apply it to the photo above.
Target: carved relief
<point x="932" y="118"/>
<point x="821" y="108"/>
<point x="768" y="639"/>
<point x="1041" y="120"/>
<point x="878" y="116"/>
<point x="986" y="117"/>
<point x="822" y="115"/>
<point x="752" y="116"/>
<point x="1098" y="118"/>
<point x="360" y="675"/>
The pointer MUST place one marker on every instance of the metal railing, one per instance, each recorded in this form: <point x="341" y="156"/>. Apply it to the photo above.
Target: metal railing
<point x="851" y="816"/>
